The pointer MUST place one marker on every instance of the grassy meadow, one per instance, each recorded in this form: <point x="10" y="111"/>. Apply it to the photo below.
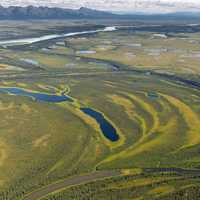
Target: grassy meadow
<point x="157" y="118"/>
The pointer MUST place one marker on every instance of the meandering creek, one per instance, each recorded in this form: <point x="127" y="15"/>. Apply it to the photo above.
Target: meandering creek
<point x="106" y="127"/>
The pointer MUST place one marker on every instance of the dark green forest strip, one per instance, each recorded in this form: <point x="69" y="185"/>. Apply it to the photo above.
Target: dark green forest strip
<point x="71" y="182"/>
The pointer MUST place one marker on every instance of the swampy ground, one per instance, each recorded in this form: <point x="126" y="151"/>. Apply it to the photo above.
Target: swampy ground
<point x="145" y="81"/>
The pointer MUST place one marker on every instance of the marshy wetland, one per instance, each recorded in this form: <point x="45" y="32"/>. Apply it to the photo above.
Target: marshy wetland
<point x="102" y="115"/>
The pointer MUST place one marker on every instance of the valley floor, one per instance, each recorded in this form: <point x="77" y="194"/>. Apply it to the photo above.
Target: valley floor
<point x="138" y="85"/>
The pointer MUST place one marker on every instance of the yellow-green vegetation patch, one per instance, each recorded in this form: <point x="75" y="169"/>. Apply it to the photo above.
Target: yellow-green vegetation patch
<point x="161" y="190"/>
<point x="191" y="119"/>
<point x="24" y="85"/>
<point x="129" y="108"/>
<point x="148" y="145"/>
<point x="55" y="166"/>
<point x="133" y="171"/>
<point x="4" y="106"/>
<point x="42" y="141"/>
<point x="138" y="182"/>
<point x="26" y="108"/>
<point x="8" y="67"/>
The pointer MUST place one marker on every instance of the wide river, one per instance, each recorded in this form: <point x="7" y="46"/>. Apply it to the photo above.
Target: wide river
<point x="53" y="36"/>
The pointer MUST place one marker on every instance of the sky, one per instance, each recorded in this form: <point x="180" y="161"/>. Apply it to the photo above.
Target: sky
<point x="124" y="6"/>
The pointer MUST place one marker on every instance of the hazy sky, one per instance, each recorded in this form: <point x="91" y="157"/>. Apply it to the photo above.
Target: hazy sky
<point x="150" y="6"/>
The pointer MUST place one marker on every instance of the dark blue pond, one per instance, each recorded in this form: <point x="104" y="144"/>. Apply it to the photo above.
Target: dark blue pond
<point x="37" y="96"/>
<point x="108" y="130"/>
<point x="152" y="95"/>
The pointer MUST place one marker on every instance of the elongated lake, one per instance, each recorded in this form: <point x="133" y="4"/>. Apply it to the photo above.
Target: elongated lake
<point x="107" y="129"/>
<point x="36" y="95"/>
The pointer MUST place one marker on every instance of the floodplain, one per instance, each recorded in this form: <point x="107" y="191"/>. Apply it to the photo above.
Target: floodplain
<point x="116" y="113"/>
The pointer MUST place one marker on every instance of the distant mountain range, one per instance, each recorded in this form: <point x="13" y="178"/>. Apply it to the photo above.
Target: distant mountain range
<point x="32" y="12"/>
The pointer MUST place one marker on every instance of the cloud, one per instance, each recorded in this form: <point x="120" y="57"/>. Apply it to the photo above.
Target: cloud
<point x="150" y="6"/>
